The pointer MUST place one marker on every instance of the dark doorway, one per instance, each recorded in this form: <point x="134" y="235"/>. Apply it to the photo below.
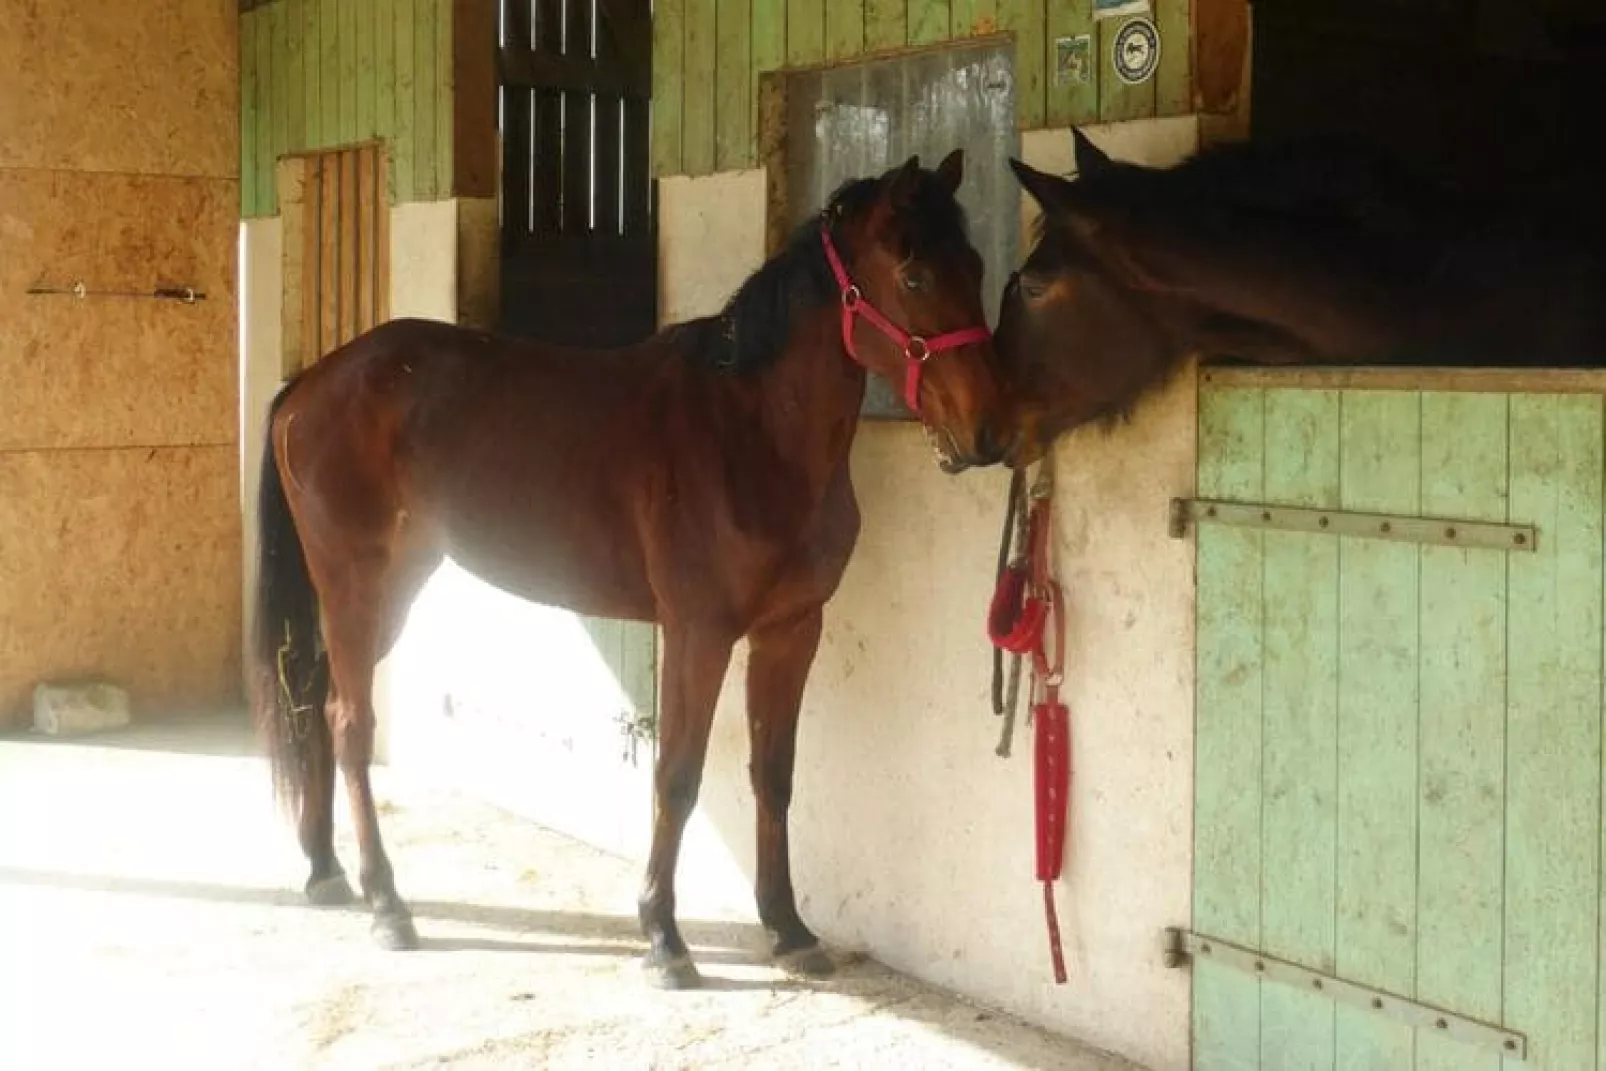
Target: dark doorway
<point x="579" y="235"/>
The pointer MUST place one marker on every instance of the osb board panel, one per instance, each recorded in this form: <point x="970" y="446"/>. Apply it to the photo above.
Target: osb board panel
<point x="107" y="85"/>
<point x="114" y="371"/>
<point x="123" y="564"/>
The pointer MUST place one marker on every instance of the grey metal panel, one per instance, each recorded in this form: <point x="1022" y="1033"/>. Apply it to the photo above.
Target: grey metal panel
<point x="851" y="121"/>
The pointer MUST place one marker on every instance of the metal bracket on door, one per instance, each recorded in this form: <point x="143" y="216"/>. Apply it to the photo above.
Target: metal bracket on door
<point x="1184" y="946"/>
<point x="1399" y="529"/>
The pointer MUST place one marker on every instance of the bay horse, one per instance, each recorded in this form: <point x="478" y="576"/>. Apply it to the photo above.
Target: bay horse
<point x="698" y="479"/>
<point x="1314" y="252"/>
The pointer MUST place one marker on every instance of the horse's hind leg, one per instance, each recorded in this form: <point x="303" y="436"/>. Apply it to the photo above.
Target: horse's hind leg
<point x="327" y="885"/>
<point x="360" y="631"/>
<point x="695" y="661"/>
<point x="777" y="670"/>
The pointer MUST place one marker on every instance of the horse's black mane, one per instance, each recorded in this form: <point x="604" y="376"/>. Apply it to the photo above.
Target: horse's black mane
<point x="1312" y="181"/>
<point x="755" y="324"/>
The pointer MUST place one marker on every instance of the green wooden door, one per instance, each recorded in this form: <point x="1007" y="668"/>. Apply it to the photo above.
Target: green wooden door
<point x="1398" y="758"/>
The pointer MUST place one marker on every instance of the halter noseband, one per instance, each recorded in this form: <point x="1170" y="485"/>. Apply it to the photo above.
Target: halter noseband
<point x="916" y="349"/>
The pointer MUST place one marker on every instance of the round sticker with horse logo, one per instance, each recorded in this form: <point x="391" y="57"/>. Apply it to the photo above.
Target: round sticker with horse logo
<point x="1136" y="51"/>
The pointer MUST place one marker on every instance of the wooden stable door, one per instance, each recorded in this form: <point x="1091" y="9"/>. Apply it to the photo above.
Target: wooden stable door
<point x="1398" y="813"/>
<point x="336" y="219"/>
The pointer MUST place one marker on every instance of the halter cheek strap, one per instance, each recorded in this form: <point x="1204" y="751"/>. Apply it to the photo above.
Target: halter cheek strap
<point x="916" y="349"/>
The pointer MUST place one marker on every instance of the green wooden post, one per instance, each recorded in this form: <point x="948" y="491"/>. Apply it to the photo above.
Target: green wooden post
<point x="733" y="81"/>
<point x="1461" y="801"/>
<point x="928" y="22"/>
<point x="443" y="89"/>
<point x="668" y="80"/>
<point x="312" y="70"/>
<point x="250" y="111"/>
<point x="385" y="73"/>
<point x="1028" y="20"/>
<point x="1299" y="743"/>
<point x="1118" y="101"/>
<point x="1226" y="854"/>
<point x="1377" y="725"/>
<point x="1071" y="102"/>
<point x="885" y="24"/>
<point x="367" y="73"/>
<point x="262" y="159"/>
<point x="406" y="87"/>
<point x="769" y="53"/>
<point x="805" y="32"/>
<point x="844" y="28"/>
<point x="1553" y="756"/>
<point x="426" y="179"/>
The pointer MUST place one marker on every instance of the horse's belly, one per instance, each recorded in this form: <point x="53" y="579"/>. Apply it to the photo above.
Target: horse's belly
<point x="593" y="578"/>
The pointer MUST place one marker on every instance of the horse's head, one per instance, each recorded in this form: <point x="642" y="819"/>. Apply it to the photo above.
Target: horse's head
<point x="1083" y="330"/>
<point x="905" y="266"/>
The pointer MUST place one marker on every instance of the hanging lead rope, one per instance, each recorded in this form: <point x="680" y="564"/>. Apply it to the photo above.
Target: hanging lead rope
<point x="1027" y="606"/>
<point x="1011" y="562"/>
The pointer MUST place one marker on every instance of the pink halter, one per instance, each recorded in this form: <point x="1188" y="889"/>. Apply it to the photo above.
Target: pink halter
<point x="916" y="350"/>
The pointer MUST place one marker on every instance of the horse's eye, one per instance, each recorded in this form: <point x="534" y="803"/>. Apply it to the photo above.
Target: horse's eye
<point x="914" y="280"/>
<point x="1032" y="288"/>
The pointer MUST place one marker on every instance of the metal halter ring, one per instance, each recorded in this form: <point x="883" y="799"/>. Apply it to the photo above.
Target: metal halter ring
<point x="851" y="298"/>
<point x="916" y="350"/>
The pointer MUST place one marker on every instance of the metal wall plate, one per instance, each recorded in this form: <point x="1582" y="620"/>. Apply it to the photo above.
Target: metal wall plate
<point x="1181" y="946"/>
<point x="1399" y="529"/>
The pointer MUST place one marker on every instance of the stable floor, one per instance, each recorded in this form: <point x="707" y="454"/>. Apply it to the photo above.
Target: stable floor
<point x="149" y="911"/>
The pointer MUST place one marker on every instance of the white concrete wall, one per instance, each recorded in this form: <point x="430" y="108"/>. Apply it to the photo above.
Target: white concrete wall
<point x="912" y="840"/>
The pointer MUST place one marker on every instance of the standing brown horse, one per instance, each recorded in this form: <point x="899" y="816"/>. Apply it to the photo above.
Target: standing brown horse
<point x="699" y="480"/>
<point x="1300" y="253"/>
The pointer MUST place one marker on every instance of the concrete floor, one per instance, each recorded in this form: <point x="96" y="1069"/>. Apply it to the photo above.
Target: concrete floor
<point x="149" y="912"/>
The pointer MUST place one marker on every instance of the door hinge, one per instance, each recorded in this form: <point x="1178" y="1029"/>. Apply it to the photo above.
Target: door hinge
<point x="1388" y="526"/>
<point x="1183" y="947"/>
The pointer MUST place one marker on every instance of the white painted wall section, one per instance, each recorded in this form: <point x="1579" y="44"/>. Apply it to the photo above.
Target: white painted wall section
<point x="911" y="839"/>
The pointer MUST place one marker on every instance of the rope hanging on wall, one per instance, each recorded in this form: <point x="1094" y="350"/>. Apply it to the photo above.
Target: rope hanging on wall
<point x="1027" y="607"/>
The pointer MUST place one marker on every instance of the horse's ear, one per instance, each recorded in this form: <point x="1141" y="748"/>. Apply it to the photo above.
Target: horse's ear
<point x="952" y="171"/>
<point x="1052" y="193"/>
<point x="1090" y="159"/>
<point x="901" y="187"/>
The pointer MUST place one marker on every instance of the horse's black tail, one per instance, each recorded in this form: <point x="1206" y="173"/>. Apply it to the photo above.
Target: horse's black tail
<point x="291" y="676"/>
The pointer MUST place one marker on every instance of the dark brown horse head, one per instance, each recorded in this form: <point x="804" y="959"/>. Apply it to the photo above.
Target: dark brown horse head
<point x="1271" y="255"/>
<point x="1082" y="332"/>
<point x="904" y="243"/>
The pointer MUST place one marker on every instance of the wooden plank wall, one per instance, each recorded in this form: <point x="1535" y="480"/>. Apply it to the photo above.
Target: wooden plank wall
<point x="1399" y="746"/>
<point x="316" y="74"/>
<point x="708" y="56"/>
<point x="337" y="249"/>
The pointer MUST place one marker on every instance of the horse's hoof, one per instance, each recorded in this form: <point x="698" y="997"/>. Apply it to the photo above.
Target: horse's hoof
<point x="333" y="891"/>
<point x="395" y="933"/>
<point x="811" y="962"/>
<point x="677" y="973"/>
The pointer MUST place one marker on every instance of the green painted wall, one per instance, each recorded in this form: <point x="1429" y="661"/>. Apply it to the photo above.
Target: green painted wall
<point x="1398" y="749"/>
<point x="320" y="73"/>
<point x="708" y="55"/>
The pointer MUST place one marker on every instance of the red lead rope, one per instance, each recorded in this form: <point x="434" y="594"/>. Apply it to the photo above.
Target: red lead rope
<point x="1027" y="600"/>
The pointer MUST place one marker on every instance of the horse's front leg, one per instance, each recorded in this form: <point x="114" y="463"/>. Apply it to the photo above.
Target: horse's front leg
<point x="695" y="661"/>
<point x="777" y="671"/>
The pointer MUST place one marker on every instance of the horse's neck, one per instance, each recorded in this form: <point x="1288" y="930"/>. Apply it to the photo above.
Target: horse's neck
<point x="1279" y="291"/>
<point x="810" y="398"/>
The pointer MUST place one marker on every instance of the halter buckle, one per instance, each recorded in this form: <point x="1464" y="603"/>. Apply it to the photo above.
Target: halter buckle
<point x="851" y="297"/>
<point x="916" y="350"/>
